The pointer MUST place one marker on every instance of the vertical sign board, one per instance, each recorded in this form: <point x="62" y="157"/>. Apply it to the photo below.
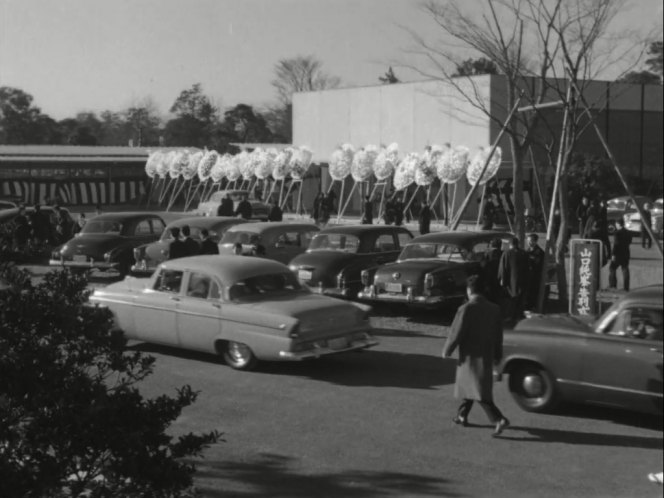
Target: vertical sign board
<point x="585" y="266"/>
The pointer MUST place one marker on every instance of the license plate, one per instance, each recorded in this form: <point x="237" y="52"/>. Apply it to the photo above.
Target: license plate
<point x="80" y="258"/>
<point x="304" y="275"/>
<point x="391" y="287"/>
<point x="340" y="343"/>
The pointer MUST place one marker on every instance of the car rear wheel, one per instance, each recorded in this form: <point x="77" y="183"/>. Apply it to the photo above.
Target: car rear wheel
<point x="239" y="356"/>
<point x="533" y="388"/>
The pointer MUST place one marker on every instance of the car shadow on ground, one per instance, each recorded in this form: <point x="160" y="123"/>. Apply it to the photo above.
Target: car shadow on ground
<point x="440" y="316"/>
<point x="622" y="417"/>
<point x="273" y="475"/>
<point x="364" y="368"/>
<point x="540" y="435"/>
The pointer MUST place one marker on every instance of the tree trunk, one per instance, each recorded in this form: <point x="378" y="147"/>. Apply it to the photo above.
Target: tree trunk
<point x="517" y="189"/>
<point x="561" y="239"/>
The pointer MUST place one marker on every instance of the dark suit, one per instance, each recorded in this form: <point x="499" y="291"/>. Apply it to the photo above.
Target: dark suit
<point x="177" y="249"/>
<point x="620" y="257"/>
<point x="513" y="276"/>
<point x="646" y="241"/>
<point x="425" y="219"/>
<point x="367" y="213"/>
<point x="276" y="214"/>
<point x="478" y="335"/>
<point x="244" y="209"/>
<point x="535" y="257"/>
<point x="193" y="248"/>
<point x="226" y="207"/>
<point x="490" y="264"/>
<point x="209" y="247"/>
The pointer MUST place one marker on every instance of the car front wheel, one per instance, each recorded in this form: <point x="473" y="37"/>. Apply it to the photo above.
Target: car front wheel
<point x="533" y="388"/>
<point x="239" y="356"/>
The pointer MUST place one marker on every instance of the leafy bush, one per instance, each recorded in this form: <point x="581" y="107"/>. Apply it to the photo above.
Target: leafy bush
<point x="72" y="421"/>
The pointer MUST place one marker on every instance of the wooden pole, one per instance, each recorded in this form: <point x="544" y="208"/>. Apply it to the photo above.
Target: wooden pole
<point x="539" y="188"/>
<point x="281" y="191"/>
<point x="507" y="216"/>
<point x="298" y="209"/>
<point x="453" y="213"/>
<point x="290" y="187"/>
<point x="479" y="213"/>
<point x="466" y="201"/>
<point x="350" y="197"/>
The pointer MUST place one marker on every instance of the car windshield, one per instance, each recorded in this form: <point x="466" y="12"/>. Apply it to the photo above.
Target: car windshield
<point x="194" y="233"/>
<point x="616" y="204"/>
<point x="446" y="252"/>
<point x="265" y="287"/>
<point x="335" y="242"/>
<point x="102" y="226"/>
<point x="235" y="237"/>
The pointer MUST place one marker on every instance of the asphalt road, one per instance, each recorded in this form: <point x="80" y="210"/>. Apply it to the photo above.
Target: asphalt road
<point x="378" y="423"/>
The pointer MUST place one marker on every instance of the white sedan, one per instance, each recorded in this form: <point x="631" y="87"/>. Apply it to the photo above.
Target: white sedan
<point x="242" y="308"/>
<point x="633" y="220"/>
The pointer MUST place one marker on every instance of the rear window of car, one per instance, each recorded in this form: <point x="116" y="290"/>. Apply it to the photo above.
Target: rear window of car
<point x="102" y="226"/>
<point x="445" y="252"/>
<point x="335" y="242"/>
<point x="265" y="287"/>
<point x="238" y="236"/>
<point x="616" y="204"/>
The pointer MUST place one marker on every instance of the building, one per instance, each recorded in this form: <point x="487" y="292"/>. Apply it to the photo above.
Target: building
<point x="418" y="114"/>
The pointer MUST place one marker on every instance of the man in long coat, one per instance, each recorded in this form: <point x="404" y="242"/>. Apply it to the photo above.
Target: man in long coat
<point x="478" y="335"/>
<point x="513" y="277"/>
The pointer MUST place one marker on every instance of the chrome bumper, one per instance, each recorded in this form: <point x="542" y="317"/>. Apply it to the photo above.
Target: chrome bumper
<point x="101" y="265"/>
<point x="317" y="352"/>
<point x="142" y="270"/>
<point x="369" y="294"/>
<point x="331" y="291"/>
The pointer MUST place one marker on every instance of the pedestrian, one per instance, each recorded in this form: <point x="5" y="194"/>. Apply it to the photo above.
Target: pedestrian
<point x="244" y="209"/>
<point x="225" y="206"/>
<point x="512" y="273"/>
<point x="21" y="229"/>
<point x="646" y="241"/>
<point x="193" y="248"/>
<point x="490" y="264"/>
<point x="331" y="198"/>
<point x="177" y="248"/>
<point x="535" y="255"/>
<point x="323" y="211"/>
<point x="315" y="208"/>
<point x="398" y="212"/>
<point x="80" y="223"/>
<point x="424" y="218"/>
<point x="620" y="255"/>
<point x="40" y="224"/>
<point x="63" y="225"/>
<point x="489" y="215"/>
<point x="478" y="335"/>
<point x="367" y="211"/>
<point x="275" y="214"/>
<point x="208" y="246"/>
<point x="595" y="232"/>
<point x="237" y="249"/>
<point x="582" y="214"/>
<point x="388" y="213"/>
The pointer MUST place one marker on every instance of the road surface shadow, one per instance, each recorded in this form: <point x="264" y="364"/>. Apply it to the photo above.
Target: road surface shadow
<point x="622" y="417"/>
<point x="276" y="476"/>
<point x="440" y="316"/>
<point x="365" y="368"/>
<point x="539" y="435"/>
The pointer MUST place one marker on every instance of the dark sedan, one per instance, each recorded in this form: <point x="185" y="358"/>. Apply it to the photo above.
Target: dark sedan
<point x="107" y="241"/>
<point x="431" y="270"/>
<point x="336" y="257"/>
<point x="614" y="361"/>
<point x="148" y="256"/>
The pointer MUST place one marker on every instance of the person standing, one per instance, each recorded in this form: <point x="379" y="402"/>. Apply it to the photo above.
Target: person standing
<point x="225" y="206"/>
<point x="490" y="263"/>
<point x="535" y="255"/>
<point x="244" y="209"/>
<point x="424" y="218"/>
<point x="513" y="278"/>
<point x="582" y="214"/>
<point x="367" y="211"/>
<point x="193" y="248"/>
<point x="489" y="214"/>
<point x="646" y="241"/>
<point x="41" y="226"/>
<point x="80" y="223"/>
<point x="177" y="248"/>
<point x="21" y="229"/>
<point x="275" y="214"/>
<point x="323" y="211"/>
<point x="478" y="335"/>
<point x="208" y="246"/>
<point x="620" y="255"/>
<point x="398" y="212"/>
<point x="315" y="208"/>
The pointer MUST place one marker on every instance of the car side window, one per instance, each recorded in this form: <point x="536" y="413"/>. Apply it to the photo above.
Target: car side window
<point x="168" y="281"/>
<point x="404" y="238"/>
<point x="157" y="226"/>
<point x="289" y="239"/>
<point x="143" y="228"/>
<point x="640" y="323"/>
<point x="202" y="286"/>
<point x="385" y="243"/>
<point x="305" y="238"/>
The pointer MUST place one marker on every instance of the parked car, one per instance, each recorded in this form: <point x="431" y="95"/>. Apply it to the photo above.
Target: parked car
<point x="633" y="220"/>
<point x="281" y="241"/>
<point x="10" y="202"/>
<point x="431" y="270"/>
<point x="107" y="241"/>
<point x="337" y="256"/>
<point x="7" y="215"/>
<point x="259" y="209"/>
<point x="618" y="207"/>
<point x="613" y="361"/>
<point x="148" y="256"/>
<point x="243" y="309"/>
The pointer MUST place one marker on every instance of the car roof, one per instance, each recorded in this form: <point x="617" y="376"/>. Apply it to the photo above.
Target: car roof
<point x="229" y="268"/>
<point x="647" y="294"/>
<point x="124" y="216"/>
<point x="201" y="221"/>
<point x="263" y="226"/>
<point x="359" y="229"/>
<point x="460" y="237"/>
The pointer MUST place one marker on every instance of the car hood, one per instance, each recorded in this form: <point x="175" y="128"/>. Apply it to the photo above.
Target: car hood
<point x="559" y="323"/>
<point x="92" y="244"/>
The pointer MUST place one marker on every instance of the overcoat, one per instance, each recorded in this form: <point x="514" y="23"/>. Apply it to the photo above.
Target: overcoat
<point x="512" y="271"/>
<point x="478" y="334"/>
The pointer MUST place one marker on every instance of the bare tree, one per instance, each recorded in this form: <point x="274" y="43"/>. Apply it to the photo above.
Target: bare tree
<point x="300" y="74"/>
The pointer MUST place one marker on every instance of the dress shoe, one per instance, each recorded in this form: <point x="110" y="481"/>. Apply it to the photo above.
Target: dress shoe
<point x="502" y="424"/>
<point x="460" y="421"/>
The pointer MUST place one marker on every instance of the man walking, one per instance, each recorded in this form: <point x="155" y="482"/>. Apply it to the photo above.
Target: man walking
<point x="620" y="255"/>
<point x="478" y="335"/>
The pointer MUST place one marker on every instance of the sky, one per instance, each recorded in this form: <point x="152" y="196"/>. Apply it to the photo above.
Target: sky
<point x="93" y="55"/>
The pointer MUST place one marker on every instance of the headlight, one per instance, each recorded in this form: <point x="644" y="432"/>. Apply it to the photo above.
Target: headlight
<point x="292" y="267"/>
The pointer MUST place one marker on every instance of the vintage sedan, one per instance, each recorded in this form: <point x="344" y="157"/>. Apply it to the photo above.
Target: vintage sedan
<point x="336" y="257"/>
<point x="259" y="210"/>
<point x="280" y="241"/>
<point x="619" y="207"/>
<point x="633" y="220"/>
<point x="243" y="309"/>
<point x="148" y="256"/>
<point x="107" y="241"/>
<point x="614" y="361"/>
<point x="431" y="270"/>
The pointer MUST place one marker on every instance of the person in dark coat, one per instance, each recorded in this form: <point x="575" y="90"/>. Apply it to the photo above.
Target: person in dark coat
<point x="208" y="246"/>
<point x="323" y="211"/>
<point x="620" y="255"/>
<point x="21" y="229"/>
<point x="367" y="211"/>
<point x="478" y="335"/>
<point x="41" y="225"/>
<point x="177" y="248"/>
<point x="244" y="209"/>
<point x="424" y="218"/>
<point x="64" y="225"/>
<point x="489" y="215"/>
<point x="490" y="263"/>
<point x="535" y="255"/>
<point x="595" y="232"/>
<point x="275" y="214"/>
<point x="398" y="212"/>
<point x="225" y="206"/>
<point x="193" y="248"/>
<point x="331" y="198"/>
<point x="646" y="241"/>
<point x="512" y="273"/>
<point x="315" y="208"/>
<point x="582" y="214"/>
